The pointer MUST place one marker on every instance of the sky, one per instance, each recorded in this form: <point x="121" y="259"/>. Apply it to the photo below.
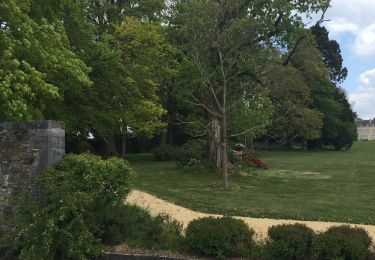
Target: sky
<point x="352" y="25"/>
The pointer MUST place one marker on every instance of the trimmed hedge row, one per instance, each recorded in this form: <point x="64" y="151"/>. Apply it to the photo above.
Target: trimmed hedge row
<point x="228" y="237"/>
<point x="219" y="237"/>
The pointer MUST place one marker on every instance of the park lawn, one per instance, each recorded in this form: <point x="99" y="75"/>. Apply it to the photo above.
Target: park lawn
<point x="324" y="185"/>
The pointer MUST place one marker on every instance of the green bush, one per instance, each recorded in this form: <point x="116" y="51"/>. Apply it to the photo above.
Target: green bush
<point x="289" y="241"/>
<point x="192" y="152"/>
<point x="165" y="152"/>
<point x="342" y="242"/>
<point x="67" y="222"/>
<point x="138" y="228"/>
<point x="232" y="157"/>
<point x="219" y="237"/>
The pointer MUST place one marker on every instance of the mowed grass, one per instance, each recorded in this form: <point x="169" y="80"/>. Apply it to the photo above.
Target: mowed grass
<point x="324" y="185"/>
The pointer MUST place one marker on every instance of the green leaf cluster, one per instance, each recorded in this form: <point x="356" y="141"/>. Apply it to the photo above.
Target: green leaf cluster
<point x="67" y="222"/>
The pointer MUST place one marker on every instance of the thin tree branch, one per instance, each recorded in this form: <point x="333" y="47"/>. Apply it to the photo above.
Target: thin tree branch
<point x="298" y="42"/>
<point x="322" y="20"/>
<point x="204" y="106"/>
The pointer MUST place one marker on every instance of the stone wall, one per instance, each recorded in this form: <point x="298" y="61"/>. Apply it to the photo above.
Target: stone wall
<point x="26" y="149"/>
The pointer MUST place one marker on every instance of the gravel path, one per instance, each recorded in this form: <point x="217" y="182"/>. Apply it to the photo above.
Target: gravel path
<point x="260" y="225"/>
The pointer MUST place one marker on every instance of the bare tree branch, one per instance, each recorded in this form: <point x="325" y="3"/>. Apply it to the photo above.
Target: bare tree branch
<point x="322" y="20"/>
<point x="204" y="106"/>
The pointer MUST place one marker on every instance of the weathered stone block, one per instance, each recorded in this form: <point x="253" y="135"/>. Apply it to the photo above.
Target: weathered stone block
<point x="53" y="142"/>
<point x="26" y="150"/>
<point x="13" y="156"/>
<point x="39" y="142"/>
<point x="62" y="142"/>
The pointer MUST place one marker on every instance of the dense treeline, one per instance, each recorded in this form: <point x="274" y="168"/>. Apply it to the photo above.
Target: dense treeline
<point x="135" y="74"/>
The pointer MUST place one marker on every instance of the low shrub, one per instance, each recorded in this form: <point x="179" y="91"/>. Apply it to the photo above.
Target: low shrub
<point x="219" y="237"/>
<point x="136" y="227"/>
<point x="342" y="242"/>
<point x="289" y="241"/>
<point x="192" y="152"/>
<point x="234" y="156"/>
<point x="66" y="223"/>
<point x="247" y="157"/>
<point x="165" y="152"/>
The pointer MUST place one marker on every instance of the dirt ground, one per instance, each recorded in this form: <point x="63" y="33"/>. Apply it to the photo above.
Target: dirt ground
<point x="260" y="225"/>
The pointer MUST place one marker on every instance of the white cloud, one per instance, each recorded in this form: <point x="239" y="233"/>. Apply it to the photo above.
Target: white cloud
<point x="341" y="25"/>
<point x="356" y="17"/>
<point x="364" y="97"/>
<point x="365" y="43"/>
<point x="358" y="12"/>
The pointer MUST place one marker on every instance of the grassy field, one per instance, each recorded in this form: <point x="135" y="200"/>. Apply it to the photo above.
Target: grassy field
<point x="324" y="185"/>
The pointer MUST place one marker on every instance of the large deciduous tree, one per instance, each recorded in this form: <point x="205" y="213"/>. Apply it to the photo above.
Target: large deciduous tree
<point x="122" y="56"/>
<point x="339" y="128"/>
<point x="231" y="44"/>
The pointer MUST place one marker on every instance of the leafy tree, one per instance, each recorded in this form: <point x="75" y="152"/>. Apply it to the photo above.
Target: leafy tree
<point x="339" y="127"/>
<point x="293" y="118"/>
<point x="121" y="99"/>
<point x="230" y="43"/>
<point x="126" y="57"/>
<point x="37" y="63"/>
<point x="148" y="58"/>
<point x="331" y="52"/>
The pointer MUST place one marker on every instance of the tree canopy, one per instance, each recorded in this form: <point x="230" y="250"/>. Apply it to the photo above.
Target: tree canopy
<point x="170" y="71"/>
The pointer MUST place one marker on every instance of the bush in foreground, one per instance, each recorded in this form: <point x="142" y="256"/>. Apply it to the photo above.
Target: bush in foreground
<point x="136" y="227"/>
<point x="342" y="242"/>
<point x="289" y="241"/>
<point x="219" y="237"/>
<point x="67" y="222"/>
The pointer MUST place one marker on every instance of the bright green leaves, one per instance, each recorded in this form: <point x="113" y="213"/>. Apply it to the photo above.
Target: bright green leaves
<point x="68" y="222"/>
<point x="36" y="65"/>
<point x="148" y="59"/>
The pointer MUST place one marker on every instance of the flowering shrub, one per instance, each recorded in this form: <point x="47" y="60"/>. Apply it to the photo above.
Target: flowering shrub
<point x="249" y="158"/>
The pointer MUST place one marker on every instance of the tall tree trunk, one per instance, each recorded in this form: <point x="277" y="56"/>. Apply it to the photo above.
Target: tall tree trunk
<point x="214" y="142"/>
<point x="110" y="148"/>
<point x="123" y="145"/>
<point x="224" y="152"/>
<point x="163" y="138"/>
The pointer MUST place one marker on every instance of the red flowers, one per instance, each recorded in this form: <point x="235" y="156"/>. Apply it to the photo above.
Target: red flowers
<point x="252" y="161"/>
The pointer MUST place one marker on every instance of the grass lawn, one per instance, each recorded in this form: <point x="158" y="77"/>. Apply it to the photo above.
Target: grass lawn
<point x="324" y="185"/>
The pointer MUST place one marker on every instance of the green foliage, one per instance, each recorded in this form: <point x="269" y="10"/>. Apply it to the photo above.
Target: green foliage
<point x="289" y="241"/>
<point x="292" y="100"/>
<point x="331" y="52"/>
<point x="139" y="229"/>
<point x="191" y="152"/>
<point x="339" y="128"/>
<point x="165" y="152"/>
<point x="233" y="158"/>
<point x="66" y="223"/>
<point x="37" y="63"/>
<point x="148" y="59"/>
<point x="342" y="242"/>
<point x="219" y="237"/>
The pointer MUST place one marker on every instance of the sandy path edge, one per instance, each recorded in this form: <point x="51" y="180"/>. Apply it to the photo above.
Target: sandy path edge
<point x="260" y="225"/>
